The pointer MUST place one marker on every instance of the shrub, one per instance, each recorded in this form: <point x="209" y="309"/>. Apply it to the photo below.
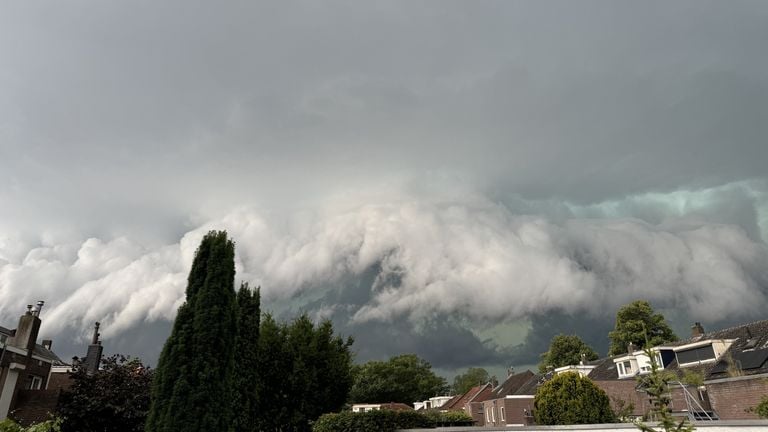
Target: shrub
<point x="762" y="408"/>
<point x="569" y="398"/>
<point x="371" y="421"/>
<point x="9" y="425"/>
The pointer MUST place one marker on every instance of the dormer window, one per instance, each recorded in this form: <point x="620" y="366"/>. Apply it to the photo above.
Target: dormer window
<point x="696" y="355"/>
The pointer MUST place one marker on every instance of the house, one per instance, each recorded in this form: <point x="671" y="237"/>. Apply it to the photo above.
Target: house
<point x="730" y="365"/>
<point x="31" y="375"/>
<point x="392" y="406"/>
<point x="432" y="403"/>
<point x="25" y="368"/>
<point x="511" y="403"/>
<point x="470" y="402"/>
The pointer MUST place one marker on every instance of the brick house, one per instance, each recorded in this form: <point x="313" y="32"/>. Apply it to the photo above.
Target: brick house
<point x="511" y="403"/>
<point x="31" y="375"/>
<point x="470" y="402"/>
<point x="25" y="366"/>
<point x="731" y="365"/>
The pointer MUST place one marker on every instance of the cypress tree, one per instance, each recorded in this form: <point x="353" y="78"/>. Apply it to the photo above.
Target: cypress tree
<point x="192" y="388"/>
<point x="246" y="404"/>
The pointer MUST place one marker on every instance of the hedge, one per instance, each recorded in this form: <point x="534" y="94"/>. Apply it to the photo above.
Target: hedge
<point x="371" y="421"/>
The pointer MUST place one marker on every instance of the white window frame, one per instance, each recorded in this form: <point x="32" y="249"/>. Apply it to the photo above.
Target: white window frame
<point x="501" y="414"/>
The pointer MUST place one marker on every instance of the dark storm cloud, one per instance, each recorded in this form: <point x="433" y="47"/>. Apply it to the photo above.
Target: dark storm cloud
<point x="606" y="150"/>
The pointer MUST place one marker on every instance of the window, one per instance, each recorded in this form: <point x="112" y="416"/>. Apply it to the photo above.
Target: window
<point x="34" y="382"/>
<point x="501" y="414"/>
<point x="493" y="415"/>
<point x="695" y="355"/>
<point x="488" y="416"/>
<point x="627" y="367"/>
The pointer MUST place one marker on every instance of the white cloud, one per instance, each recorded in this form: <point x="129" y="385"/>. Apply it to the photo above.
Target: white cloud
<point x="471" y="257"/>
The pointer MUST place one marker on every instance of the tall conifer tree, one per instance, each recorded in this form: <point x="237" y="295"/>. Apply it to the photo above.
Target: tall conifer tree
<point x="246" y="404"/>
<point x="192" y="388"/>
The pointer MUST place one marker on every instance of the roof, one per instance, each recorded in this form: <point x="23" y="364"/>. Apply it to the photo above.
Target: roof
<point x="39" y="350"/>
<point x="451" y="404"/>
<point x="396" y="406"/>
<point x="529" y="387"/>
<point x="471" y="395"/>
<point x="748" y="354"/>
<point x="511" y="385"/>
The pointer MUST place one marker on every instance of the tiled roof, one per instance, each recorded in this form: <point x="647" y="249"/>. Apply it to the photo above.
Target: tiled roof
<point x="458" y="402"/>
<point x="605" y="370"/>
<point x="511" y="385"/>
<point x="452" y="404"/>
<point x="529" y="387"/>
<point x="749" y="352"/>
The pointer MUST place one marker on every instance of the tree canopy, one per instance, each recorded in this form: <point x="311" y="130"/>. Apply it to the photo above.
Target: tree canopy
<point x="637" y="323"/>
<point x="304" y="372"/>
<point x="472" y="377"/>
<point x="192" y="388"/>
<point x="565" y="350"/>
<point x="404" y="378"/>
<point x="114" y="398"/>
<point x="569" y="398"/>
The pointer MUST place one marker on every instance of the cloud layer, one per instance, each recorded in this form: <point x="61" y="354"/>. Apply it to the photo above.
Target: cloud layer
<point x="403" y="168"/>
<point x="471" y="259"/>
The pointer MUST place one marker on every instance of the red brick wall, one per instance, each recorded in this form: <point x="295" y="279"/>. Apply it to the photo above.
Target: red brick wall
<point x="34" y="406"/>
<point x="477" y="413"/>
<point x="625" y="390"/>
<point x="515" y="411"/>
<point x="731" y="399"/>
<point x="60" y="381"/>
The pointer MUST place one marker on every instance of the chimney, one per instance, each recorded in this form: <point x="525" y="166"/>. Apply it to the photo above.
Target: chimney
<point x="697" y="330"/>
<point x="93" y="357"/>
<point x="510" y="371"/>
<point x="26" y="331"/>
<point x="47" y="343"/>
<point x="630" y="348"/>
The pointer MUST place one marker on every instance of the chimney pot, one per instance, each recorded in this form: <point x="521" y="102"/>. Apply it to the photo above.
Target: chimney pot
<point x="47" y="343"/>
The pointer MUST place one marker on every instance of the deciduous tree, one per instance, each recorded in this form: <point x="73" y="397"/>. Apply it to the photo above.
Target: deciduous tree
<point x="633" y="322"/>
<point x="405" y="378"/>
<point x="113" y="399"/>
<point x="472" y="377"/>
<point x="565" y="350"/>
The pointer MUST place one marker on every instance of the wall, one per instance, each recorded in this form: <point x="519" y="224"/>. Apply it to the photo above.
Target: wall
<point x="35" y="406"/>
<point x="730" y="399"/>
<point x="716" y="426"/>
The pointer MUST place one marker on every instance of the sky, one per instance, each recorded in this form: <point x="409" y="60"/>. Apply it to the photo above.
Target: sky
<point x="457" y="179"/>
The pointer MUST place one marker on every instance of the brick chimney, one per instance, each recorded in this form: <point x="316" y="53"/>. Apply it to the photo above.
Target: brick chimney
<point x="93" y="357"/>
<point x="697" y="330"/>
<point x="27" y="330"/>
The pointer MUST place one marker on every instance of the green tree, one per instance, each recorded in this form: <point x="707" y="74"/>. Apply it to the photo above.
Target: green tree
<point x="472" y="377"/>
<point x="405" y="378"/>
<point x="304" y="371"/>
<point x="113" y="399"/>
<point x="565" y="350"/>
<point x="570" y="398"/>
<point x="192" y="388"/>
<point x="246" y="402"/>
<point x="656" y="385"/>
<point x="632" y="322"/>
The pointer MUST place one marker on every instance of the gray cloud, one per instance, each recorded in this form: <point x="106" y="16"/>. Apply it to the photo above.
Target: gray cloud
<point x="473" y="152"/>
